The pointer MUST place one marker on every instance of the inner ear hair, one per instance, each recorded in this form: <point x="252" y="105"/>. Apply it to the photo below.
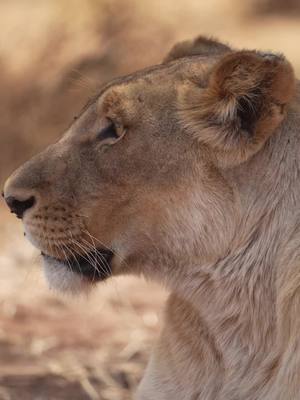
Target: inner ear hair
<point x="200" y="46"/>
<point x="243" y="104"/>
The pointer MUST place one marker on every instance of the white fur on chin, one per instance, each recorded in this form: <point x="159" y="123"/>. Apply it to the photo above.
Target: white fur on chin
<point x="63" y="280"/>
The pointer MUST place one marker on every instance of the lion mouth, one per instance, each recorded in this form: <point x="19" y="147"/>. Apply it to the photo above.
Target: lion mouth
<point x="94" y="265"/>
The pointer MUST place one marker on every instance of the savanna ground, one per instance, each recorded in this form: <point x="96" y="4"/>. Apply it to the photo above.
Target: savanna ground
<point x="53" y="55"/>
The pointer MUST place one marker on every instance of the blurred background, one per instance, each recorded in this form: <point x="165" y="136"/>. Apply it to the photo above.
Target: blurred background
<point x="55" y="54"/>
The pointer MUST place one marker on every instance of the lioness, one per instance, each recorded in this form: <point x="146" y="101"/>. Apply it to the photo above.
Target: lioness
<point x="186" y="173"/>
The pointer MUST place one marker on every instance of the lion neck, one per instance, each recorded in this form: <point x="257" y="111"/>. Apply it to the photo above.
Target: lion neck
<point x="249" y="300"/>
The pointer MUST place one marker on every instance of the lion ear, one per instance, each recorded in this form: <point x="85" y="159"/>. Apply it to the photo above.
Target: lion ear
<point x="199" y="46"/>
<point x="242" y="105"/>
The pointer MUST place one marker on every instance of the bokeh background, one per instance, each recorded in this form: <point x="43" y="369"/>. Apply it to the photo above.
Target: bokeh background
<point x="54" y="54"/>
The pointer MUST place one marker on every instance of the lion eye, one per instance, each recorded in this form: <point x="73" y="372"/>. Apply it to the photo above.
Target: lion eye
<point x="109" y="132"/>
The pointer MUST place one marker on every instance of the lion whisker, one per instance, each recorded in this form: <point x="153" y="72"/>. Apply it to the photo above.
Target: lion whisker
<point x="90" y="258"/>
<point x="104" y="262"/>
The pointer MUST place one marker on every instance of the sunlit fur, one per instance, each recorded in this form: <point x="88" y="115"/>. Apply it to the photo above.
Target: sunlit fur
<point x="200" y="191"/>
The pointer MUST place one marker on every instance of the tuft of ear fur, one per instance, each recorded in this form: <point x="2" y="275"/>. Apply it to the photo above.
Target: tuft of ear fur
<point x="199" y="46"/>
<point x="244" y="102"/>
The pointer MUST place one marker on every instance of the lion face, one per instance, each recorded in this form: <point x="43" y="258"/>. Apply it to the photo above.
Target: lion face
<point x="138" y="183"/>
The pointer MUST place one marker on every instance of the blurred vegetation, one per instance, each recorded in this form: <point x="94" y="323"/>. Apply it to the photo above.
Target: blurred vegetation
<point x="288" y="7"/>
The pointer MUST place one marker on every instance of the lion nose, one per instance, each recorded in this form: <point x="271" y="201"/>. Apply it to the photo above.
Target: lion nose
<point x="18" y="206"/>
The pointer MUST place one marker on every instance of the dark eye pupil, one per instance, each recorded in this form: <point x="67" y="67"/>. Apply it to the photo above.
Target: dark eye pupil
<point x="108" y="133"/>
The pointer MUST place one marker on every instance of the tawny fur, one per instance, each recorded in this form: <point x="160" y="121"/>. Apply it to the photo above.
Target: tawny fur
<point x="200" y="191"/>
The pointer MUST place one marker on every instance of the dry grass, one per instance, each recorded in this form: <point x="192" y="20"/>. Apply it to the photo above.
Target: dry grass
<point x="53" y="55"/>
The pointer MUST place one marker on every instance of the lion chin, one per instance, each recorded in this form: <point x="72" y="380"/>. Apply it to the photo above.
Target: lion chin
<point x="61" y="279"/>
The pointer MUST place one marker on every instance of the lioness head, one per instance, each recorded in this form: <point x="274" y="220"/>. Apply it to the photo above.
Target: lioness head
<point x="147" y="179"/>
